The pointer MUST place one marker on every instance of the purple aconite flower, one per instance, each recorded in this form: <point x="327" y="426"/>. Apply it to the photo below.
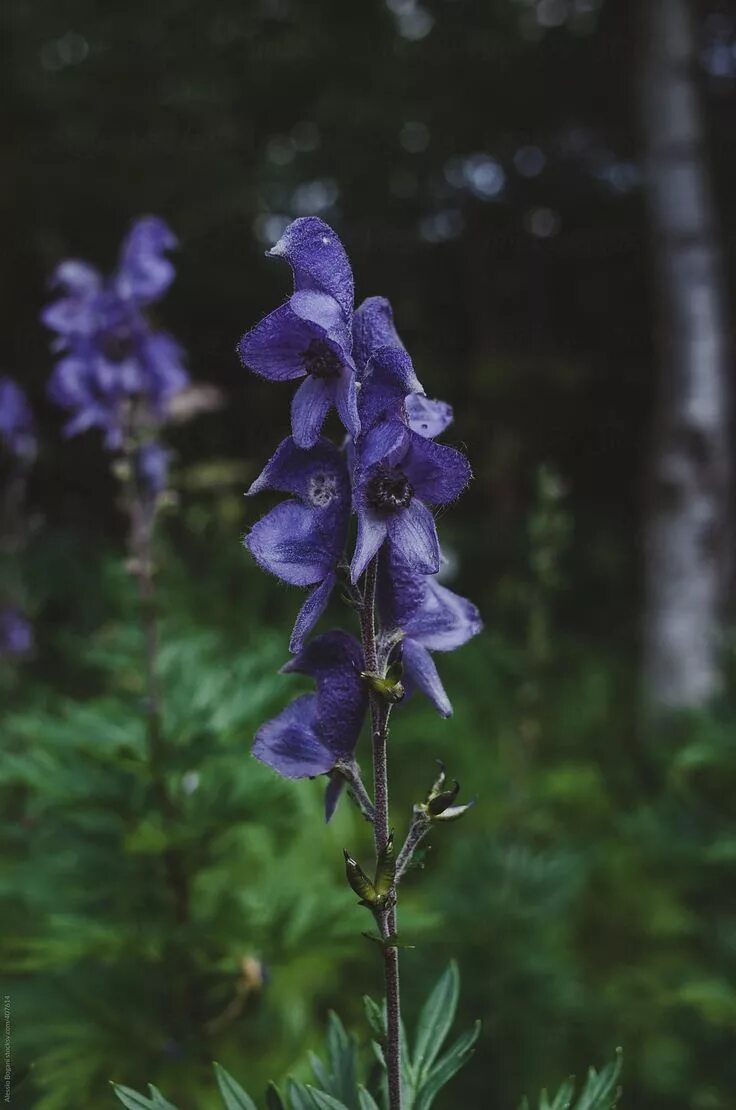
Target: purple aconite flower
<point x="17" y="429"/>
<point x="302" y="540"/>
<point x="317" y="731"/>
<point x="110" y="356"/>
<point x="431" y="617"/>
<point x="443" y="621"/>
<point x="16" y="633"/>
<point x="398" y="473"/>
<point x="373" y="330"/>
<point x="373" y="327"/>
<point x="310" y="336"/>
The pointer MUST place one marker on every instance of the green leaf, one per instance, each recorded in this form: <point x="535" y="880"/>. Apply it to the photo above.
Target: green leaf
<point x="375" y="1017"/>
<point x="366" y="1100"/>
<point x="158" y="1099"/>
<point x="135" y="1101"/>
<point x="274" y="1100"/>
<point x="601" y="1091"/>
<point x="435" y="1020"/>
<point x="342" y="1053"/>
<point x="299" y="1097"/>
<point x="563" y="1098"/>
<point x="446" y="1067"/>
<point x="232" y="1093"/>
<point x="323" y="1101"/>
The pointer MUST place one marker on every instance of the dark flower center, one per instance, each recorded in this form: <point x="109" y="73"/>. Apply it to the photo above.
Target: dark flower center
<point x="321" y="361"/>
<point x="389" y="490"/>
<point x="117" y="346"/>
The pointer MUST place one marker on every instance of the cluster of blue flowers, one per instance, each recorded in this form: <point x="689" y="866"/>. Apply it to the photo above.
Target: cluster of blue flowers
<point x="388" y="473"/>
<point x="115" y="371"/>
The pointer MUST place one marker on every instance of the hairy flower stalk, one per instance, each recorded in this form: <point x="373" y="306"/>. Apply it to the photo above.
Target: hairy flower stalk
<point x="386" y="914"/>
<point x="390" y="475"/>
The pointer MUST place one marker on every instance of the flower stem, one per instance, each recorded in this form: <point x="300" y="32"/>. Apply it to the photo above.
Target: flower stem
<point x="386" y="918"/>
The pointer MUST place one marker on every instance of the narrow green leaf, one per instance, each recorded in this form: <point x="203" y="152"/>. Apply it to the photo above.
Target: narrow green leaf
<point x="446" y="1067"/>
<point x="366" y="1100"/>
<point x="601" y="1088"/>
<point x="563" y="1098"/>
<point x="299" y="1097"/>
<point x="375" y="1017"/>
<point x="274" y="1100"/>
<point x="342" y="1053"/>
<point x="320" y="1071"/>
<point x="322" y="1101"/>
<point x="158" y="1099"/>
<point x="435" y="1020"/>
<point x="232" y="1093"/>
<point x="133" y="1100"/>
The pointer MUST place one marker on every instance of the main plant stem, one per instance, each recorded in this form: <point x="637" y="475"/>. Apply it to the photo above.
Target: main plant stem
<point x="386" y="918"/>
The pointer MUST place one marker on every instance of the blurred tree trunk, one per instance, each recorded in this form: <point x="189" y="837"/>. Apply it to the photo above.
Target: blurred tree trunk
<point x="687" y="532"/>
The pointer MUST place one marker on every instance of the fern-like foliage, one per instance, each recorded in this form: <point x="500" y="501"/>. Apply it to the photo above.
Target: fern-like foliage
<point x="141" y="942"/>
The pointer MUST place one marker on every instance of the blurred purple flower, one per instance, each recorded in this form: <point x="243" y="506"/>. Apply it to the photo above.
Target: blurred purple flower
<point x="109" y="352"/>
<point x="152" y="468"/>
<point x="16" y="633"/>
<point x="316" y="731"/>
<point x="310" y="336"/>
<point x="397" y="474"/>
<point x="302" y="540"/>
<point x="17" y="429"/>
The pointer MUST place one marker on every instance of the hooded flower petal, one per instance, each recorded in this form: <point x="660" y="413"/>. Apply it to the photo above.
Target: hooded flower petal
<point x="372" y="531"/>
<point x="309" y="407"/>
<point x="386" y="442"/>
<point x="290" y="543"/>
<point x="413" y="535"/>
<point x="438" y="474"/>
<point x="444" y="621"/>
<point x="388" y="379"/>
<point x="346" y="401"/>
<point x="401" y="590"/>
<point x="318" y="260"/>
<point x="311" y="611"/>
<point x="428" y="418"/>
<point x="419" y="670"/>
<point x="335" y="661"/>
<point x="145" y="273"/>
<point x="276" y="347"/>
<point x="373" y="327"/>
<point x="289" y="743"/>
<point x="74" y="311"/>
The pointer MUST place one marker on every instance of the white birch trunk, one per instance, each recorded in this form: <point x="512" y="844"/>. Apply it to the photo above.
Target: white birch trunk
<point x="688" y="534"/>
